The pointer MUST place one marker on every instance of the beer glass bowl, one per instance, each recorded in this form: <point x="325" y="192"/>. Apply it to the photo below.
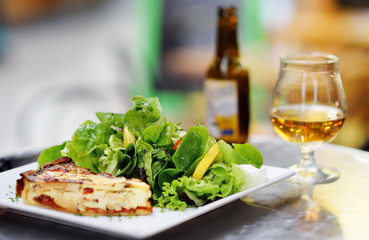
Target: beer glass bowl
<point x="308" y="108"/>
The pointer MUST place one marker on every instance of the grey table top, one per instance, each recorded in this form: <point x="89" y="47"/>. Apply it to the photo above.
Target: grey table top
<point x="286" y="210"/>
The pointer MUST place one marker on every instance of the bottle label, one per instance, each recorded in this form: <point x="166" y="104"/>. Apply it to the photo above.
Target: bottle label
<point x="222" y="108"/>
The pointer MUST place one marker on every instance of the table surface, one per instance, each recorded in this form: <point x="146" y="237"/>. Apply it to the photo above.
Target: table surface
<point x="286" y="210"/>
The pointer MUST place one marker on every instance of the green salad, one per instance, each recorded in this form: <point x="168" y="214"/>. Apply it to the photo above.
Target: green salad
<point x="183" y="168"/>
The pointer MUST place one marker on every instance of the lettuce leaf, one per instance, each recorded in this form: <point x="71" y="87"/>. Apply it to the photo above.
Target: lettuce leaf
<point x="249" y="154"/>
<point x="113" y="119"/>
<point x="160" y="135"/>
<point x="88" y="144"/>
<point x="220" y="181"/>
<point x="151" y="134"/>
<point x="89" y="159"/>
<point x="109" y="161"/>
<point x="170" y="198"/>
<point x="145" y="112"/>
<point x="89" y="135"/>
<point x="50" y="154"/>
<point x="116" y="141"/>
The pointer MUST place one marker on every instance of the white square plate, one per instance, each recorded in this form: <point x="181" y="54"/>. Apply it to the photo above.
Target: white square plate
<point x="160" y="220"/>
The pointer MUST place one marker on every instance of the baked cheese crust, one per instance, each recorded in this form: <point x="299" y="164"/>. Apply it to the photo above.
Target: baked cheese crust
<point x="64" y="186"/>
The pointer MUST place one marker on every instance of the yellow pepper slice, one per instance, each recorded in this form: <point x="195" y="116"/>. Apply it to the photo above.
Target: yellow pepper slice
<point x="128" y="137"/>
<point x="205" y="163"/>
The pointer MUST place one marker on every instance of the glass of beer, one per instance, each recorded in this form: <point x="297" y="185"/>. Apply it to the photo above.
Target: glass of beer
<point x="308" y="108"/>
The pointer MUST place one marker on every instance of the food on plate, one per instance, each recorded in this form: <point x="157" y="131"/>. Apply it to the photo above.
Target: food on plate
<point x="183" y="168"/>
<point x="62" y="185"/>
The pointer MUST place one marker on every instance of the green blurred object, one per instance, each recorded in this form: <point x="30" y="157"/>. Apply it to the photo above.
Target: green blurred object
<point x="150" y="28"/>
<point x="250" y="18"/>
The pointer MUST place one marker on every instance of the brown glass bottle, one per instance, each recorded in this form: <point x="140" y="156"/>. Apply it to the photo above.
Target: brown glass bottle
<point x="227" y="84"/>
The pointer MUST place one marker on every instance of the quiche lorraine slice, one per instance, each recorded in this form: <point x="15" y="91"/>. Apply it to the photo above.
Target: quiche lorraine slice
<point x="61" y="185"/>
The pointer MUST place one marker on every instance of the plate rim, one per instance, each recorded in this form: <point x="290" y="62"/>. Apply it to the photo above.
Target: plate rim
<point x="62" y="218"/>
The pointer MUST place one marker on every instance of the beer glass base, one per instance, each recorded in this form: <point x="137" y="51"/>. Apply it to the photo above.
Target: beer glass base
<point x="314" y="176"/>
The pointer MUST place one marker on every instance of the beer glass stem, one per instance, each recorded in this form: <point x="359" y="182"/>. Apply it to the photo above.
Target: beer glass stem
<point x="307" y="162"/>
<point x="308" y="171"/>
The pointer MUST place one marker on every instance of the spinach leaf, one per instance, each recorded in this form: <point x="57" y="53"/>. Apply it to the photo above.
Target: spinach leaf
<point x="162" y="163"/>
<point x="191" y="169"/>
<point x="249" y="154"/>
<point x="193" y="146"/>
<point x="144" y="152"/>
<point x="168" y="175"/>
<point x="130" y="152"/>
<point x="240" y="154"/>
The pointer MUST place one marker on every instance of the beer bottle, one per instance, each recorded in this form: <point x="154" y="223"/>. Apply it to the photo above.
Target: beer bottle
<point x="227" y="84"/>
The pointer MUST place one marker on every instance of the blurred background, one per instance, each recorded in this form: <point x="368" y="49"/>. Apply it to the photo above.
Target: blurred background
<point x="63" y="60"/>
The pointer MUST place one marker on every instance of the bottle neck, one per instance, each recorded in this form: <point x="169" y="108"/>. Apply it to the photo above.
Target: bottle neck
<point x="227" y="33"/>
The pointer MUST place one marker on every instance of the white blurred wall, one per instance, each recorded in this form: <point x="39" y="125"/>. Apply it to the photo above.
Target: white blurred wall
<point x="55" y="74"/>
